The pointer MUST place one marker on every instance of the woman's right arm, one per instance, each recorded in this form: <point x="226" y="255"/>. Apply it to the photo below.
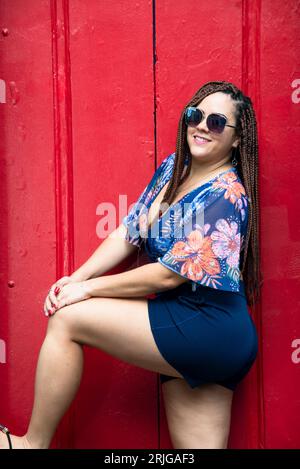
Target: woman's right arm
<point x="113" y="250"/>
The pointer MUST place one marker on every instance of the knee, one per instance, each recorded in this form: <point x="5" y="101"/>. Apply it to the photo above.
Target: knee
<point x="62" y="320"/>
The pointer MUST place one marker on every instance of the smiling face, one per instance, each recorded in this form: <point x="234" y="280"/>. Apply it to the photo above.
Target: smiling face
<point x="217" y="147"/>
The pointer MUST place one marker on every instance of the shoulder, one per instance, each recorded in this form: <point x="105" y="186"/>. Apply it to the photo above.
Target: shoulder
<point x="222" y="197"/>
<point x="164" y="170"/>
<point x="229" y="189"/>
<point x="167" y="162"/>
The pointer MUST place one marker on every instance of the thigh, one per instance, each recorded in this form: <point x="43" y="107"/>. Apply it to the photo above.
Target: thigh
<point x="197" y="417"/>
<point x="118" y="326"/>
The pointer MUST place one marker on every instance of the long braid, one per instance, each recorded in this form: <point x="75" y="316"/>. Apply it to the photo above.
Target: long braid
<point x="247" y="157"/>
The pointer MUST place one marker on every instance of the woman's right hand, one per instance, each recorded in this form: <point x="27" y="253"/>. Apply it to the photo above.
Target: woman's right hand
<point x="51" y="301"/>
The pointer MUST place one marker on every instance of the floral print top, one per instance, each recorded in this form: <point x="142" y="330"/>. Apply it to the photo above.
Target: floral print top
<point x="202" y="235"/>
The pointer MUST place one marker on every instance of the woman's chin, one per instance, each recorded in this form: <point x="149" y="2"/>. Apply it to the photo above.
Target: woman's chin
<point x="199" y="153"/>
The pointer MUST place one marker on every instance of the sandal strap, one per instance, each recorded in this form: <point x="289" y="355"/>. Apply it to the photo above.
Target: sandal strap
<point x="7" y="433"/>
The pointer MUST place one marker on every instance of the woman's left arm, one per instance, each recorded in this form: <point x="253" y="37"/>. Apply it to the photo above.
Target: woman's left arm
<point x="144" y="280"/>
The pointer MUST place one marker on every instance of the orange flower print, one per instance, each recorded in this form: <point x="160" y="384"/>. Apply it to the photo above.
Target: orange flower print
<point x="226" y="242"/>
<point x="201" y="259"/>
<point x="233" y="188"/>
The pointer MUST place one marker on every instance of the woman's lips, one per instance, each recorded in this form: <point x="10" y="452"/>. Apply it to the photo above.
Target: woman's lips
<point x="200" y="141"/>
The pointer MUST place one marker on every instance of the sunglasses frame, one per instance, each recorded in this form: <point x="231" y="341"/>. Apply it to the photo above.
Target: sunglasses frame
<point x="192" y="108"/>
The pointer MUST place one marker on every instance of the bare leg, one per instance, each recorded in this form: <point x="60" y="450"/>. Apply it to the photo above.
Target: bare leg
<point x="119" y="327"/>
<point x="58" y="376"/>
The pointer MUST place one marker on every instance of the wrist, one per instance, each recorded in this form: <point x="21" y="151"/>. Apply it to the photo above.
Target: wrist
<point x="78" y="277"/>
<point x="89" y="286"/>
<point x="86" y="289"/>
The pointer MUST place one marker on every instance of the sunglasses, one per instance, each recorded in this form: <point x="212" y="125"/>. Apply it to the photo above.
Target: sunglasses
<point x="215" y="122"/>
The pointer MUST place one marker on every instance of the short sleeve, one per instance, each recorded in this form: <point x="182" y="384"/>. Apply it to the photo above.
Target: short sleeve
<point x="208" y="242"/>
<point x="137" y="217"/>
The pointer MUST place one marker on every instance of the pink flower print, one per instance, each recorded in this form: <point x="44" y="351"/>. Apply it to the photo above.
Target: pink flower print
<point x="226" y="242"/>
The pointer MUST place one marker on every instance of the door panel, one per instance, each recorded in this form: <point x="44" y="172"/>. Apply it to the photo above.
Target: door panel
<point x="90" y="98"/>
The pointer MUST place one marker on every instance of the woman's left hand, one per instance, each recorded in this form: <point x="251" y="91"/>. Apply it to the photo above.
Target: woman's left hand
<point x="71" y="293"/>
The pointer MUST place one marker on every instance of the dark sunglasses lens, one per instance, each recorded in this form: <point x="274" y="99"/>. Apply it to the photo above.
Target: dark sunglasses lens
<point x="193" y="116"/>
<point x="216" y="123"/>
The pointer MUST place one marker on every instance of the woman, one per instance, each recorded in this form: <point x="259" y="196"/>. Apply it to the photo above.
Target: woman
<point x="204" y="268"/>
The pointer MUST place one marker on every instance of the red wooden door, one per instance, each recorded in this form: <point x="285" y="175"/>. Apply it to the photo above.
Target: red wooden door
<point x="89" y="91"/>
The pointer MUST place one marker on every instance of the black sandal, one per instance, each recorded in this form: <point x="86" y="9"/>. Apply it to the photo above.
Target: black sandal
<point x="7" y="433"/>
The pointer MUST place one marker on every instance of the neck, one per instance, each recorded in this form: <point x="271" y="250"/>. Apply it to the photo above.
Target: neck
<point x="200" y="169"/>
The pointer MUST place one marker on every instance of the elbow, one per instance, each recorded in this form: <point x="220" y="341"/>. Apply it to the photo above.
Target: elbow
<point x="178" y="280"/>
<point x="169" y="278"/>
<point x="174" y="280"/>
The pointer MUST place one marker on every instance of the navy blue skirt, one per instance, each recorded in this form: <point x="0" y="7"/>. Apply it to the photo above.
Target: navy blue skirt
<point x="207" y="335"/>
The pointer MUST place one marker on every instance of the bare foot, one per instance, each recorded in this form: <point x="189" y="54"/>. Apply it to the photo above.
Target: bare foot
<point x="18" y="442"/>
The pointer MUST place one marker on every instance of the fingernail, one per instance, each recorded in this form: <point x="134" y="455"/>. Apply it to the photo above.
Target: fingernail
<point x="46" y="314"/>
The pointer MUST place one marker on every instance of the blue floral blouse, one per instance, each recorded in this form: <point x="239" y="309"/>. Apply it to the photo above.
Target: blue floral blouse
<point x="201" y="236"/>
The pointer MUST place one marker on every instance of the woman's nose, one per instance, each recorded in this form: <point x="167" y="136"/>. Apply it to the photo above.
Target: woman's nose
<point x="202" y="126"/>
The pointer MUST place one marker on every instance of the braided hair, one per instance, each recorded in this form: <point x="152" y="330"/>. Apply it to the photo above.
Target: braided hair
<point x="247" y="157"/>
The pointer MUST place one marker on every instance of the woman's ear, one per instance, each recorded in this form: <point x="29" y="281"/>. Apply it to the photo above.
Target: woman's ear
<point x="236" y="142"/>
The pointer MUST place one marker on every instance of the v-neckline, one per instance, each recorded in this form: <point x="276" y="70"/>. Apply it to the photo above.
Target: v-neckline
<point x="185" y="195"/>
